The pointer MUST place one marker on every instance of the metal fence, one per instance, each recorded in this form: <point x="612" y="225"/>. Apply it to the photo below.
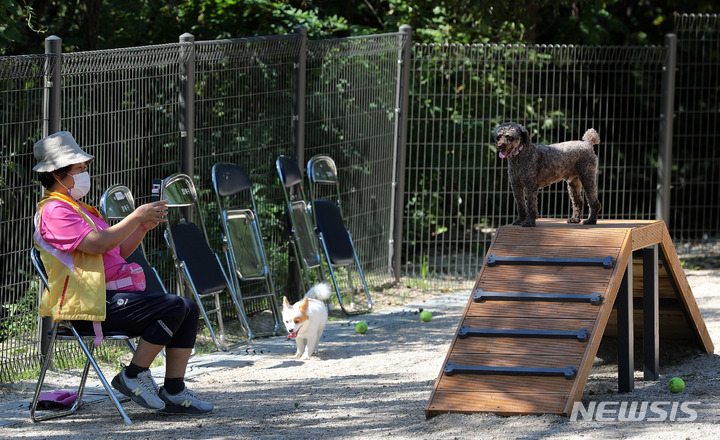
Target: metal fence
<point x="695" y="216"/>
<point x="458" y="191"/>
<point x="151" y="111"/>
<point x="422" y="202"/>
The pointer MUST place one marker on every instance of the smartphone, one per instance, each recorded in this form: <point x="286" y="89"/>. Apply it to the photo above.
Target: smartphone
<point x="156" y="192"/>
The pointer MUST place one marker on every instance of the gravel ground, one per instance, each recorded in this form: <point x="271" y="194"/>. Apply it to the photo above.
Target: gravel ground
<point x="377" y="384"/>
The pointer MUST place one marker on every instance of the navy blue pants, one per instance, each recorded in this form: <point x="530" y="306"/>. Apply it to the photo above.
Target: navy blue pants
<point x="159" y="318"/>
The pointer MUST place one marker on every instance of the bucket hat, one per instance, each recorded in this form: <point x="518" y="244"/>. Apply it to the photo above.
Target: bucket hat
<point x="57" y="151"/>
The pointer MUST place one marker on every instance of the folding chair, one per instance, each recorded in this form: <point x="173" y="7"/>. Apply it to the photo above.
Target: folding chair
<point x="198" y="267"/>
<point x="242" y="242"/>
<point x="334" y="237"/>
<point x="65" y="331"/>
<point x="300" y="221"/>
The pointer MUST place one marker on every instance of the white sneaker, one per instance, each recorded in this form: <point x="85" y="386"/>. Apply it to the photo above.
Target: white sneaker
<point x="185" y="402"/>
<point x="142" y="390"/>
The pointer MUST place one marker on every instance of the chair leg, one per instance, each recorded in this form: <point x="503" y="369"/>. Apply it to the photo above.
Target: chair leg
<point x="41" y="380"/>
<point x="186" y="278"/>
<point x="101" y="376"/>
<point x="90" y="360"/>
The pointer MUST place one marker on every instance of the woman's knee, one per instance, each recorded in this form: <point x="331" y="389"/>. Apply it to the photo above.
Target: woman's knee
<point x="192" y="311"/>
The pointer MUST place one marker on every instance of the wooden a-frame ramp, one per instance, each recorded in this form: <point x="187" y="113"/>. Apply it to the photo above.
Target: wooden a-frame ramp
<point x="543" y="301"/>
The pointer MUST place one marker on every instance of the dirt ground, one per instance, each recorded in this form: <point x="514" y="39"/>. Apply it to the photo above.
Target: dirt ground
<point x="377" y="385"/>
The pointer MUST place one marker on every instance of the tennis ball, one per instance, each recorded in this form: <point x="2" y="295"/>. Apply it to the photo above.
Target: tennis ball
<point x="361" y="327"/>
<point x="676" y="385"/>
<point x="425" y="316"/>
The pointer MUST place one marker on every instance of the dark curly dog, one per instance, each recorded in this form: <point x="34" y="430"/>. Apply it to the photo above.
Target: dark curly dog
<point x="534" y="166"/>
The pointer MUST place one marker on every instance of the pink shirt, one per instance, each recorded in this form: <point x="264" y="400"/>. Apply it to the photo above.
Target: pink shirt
<point x="64" y="229"/>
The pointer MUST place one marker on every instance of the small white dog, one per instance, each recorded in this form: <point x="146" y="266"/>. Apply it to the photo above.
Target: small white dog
<point x="305" y="320"/>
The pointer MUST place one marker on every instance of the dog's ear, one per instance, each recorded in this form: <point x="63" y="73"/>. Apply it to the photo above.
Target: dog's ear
<point x="286" y="304"/>
<point x="304" y="305"/>
<point x="524" y="136"/>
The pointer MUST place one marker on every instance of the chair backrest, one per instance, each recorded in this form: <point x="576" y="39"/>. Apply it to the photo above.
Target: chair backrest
<point x="188" y="240"/>
<point x="297" y="210"/>
<point x="322" y="170"/>
<point x="289" y="172"/>
<point x="179" y="190"/>
<point x="38" y="264"/>
<point x="324" y="184"/>
<point x="239" y="221"/>
<point x="116" y="203"/>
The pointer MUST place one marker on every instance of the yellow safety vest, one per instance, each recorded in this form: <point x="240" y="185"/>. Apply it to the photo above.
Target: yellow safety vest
<point x="77" y="280"/>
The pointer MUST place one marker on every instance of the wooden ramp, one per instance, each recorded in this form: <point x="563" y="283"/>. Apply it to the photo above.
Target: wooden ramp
<point x="533" y="324"/>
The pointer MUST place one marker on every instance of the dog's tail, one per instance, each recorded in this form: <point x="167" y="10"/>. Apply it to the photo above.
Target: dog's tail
<point x="320" y="291"/>
<point x="591" y="137"/>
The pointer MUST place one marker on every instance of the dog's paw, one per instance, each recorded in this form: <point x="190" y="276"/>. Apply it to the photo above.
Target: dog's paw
<point x="518" y="221"/>
<point x="305" y="357"/>
<point x="573" y="220"/>
<point x="528" y="224"/>
<point x="590" y="221"/>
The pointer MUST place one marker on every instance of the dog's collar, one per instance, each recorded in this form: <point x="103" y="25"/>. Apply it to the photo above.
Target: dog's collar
<point x="518" y="151"/>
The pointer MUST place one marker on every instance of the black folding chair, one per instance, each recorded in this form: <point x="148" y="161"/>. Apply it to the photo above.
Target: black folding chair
<point x="334" y="236"/>
<point x="65" y="331"/>
<point x="300" y="221"/>
<point x="242" y="242"/>
<point x="198" y="267"/>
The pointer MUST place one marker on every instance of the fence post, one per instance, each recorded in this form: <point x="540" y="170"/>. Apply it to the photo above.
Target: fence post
<point x="53" y="89"/>
<point x="52" y="94"/>
<point x="299" y="84"/>
<point x="401" y="121"/>
<point x="299" y="81"/>
<point x="662" y="205"/>
<point x="187" y="109"/>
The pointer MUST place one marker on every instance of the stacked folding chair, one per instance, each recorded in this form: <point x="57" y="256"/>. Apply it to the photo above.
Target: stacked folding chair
<point x="300" y="221"/>
<point x="198" y="267"/>
<point x="242" y="242"/>
<point x="335" y="238"/>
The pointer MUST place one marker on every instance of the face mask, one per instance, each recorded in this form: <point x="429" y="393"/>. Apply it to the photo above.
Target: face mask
<point x="81" y="187"/>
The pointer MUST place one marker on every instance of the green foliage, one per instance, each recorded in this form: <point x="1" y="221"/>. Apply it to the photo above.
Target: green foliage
<point x="19" y="317"/>
<point x="127" y="23"/>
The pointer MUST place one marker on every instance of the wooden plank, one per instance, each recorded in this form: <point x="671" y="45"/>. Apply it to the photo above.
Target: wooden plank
<point x="532" y="309"/>
<point x="524" y="323"/>
<point x="482" y="383"/>
<point x="551" y="360"/>
<point x="547" y="274"/>
<point x="597" y="332"/>
<point x="502" y="346"/>
<point x="561" y="237"/>
<point x="585" y="286"/>
<point x="507" y="404"/>
<point x="555" y="251"/>
<point x="647" y="235"/>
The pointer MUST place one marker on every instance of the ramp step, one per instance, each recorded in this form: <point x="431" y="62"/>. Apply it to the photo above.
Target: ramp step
<point x="593" y="298"/>
<point x="494" y="260"/>
<point x="466" y="331"/>
<point x="567" y="372"/>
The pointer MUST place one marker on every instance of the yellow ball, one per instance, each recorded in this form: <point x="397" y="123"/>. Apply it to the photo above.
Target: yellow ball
<point x="361" y="327"/>
<point x="425" y="316"/>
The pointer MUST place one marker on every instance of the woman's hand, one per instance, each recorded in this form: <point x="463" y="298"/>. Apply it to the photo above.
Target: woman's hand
<point x="153" y="212"/>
